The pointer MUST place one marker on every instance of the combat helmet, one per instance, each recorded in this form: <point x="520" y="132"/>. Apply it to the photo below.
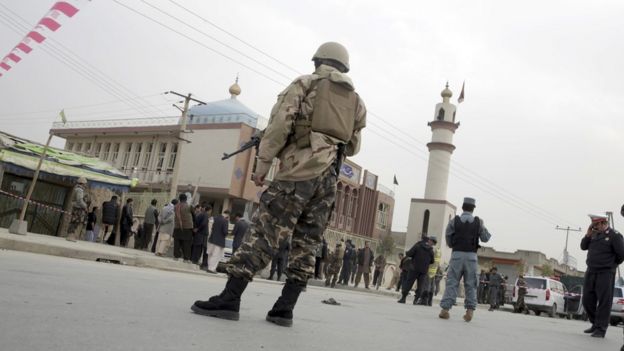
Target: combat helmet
<point x="333" y="51"/>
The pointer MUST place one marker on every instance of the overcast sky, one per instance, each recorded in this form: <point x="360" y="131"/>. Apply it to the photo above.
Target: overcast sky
<point x="540" y="142"/>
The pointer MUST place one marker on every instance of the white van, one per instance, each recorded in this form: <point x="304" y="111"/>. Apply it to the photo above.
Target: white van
<point x="543" y="295"/>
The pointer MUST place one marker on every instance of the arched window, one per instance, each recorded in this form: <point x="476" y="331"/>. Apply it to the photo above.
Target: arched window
<point x="346" y="208"/>
<point x="354" y="198"/>
<point x="440" y="115"/>
<point x="339" y="199"/>
<point x="425" y="227"/>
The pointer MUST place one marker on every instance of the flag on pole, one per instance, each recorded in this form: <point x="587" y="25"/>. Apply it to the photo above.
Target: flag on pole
<point x="395" y="180"/>
<point x="460" y="99"/>
<point x="63" y="118"/>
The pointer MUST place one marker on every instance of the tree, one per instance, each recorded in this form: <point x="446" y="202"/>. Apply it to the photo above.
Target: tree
<point x="547" y="270"/>
<point x="386" y="245"/>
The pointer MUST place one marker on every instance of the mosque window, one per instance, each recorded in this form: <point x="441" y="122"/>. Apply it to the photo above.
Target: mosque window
<point x="440" y="116"/>
<point x="115" y="153"/>
<point x="425" y="227"/>
<point x="106" y="151"/>
<point x="148" y="155"/>
<point x="161" y="156"/>
<point x="382" y="215"/>
<point x="172" y="156"/>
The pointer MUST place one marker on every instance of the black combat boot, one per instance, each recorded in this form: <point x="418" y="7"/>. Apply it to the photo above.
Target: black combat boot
<point x="403" y="297"/>
<point x="282" y="312"/>
<point x="225" y="305"/>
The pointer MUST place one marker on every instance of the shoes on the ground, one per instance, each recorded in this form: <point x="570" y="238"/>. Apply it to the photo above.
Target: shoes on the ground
<point x="590" y="329"/>
<point x="469" y="314"/>
<point x="598" y="333"/>
<point x="402" y="299"/>
<point x="444" y="314"/>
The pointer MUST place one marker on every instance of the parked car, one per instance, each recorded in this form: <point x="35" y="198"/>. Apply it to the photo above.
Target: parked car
<point x="617" y="309"/>
<point x="227" y="253"/>
<point x="543" y="295"/>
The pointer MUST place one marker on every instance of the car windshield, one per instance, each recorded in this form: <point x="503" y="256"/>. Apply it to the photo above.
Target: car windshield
<point x="617" y="292"/>
<point x="535" y="283"/>
<point x="228" y="243"/>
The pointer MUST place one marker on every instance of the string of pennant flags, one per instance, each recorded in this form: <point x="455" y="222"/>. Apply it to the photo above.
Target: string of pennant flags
<point x="51" y="22"/>
<point x="48" y="207"/>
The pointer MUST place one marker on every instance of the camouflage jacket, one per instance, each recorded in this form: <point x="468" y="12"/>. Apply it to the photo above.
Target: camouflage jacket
<point x="334" y="262"/>
<point x="306" y="163"/>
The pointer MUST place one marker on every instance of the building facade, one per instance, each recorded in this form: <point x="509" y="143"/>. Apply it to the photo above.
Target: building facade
<point x="148" y="150"/>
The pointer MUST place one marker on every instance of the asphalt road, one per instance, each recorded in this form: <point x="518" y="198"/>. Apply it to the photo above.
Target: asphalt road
<point x="54" y="303"/>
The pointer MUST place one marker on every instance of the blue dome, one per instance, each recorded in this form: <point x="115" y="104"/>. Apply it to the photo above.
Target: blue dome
<point x="223" y="111"/>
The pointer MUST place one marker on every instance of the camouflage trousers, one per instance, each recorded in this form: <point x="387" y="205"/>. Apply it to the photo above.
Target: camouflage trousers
<point x="77" y="220"/>
<point x="300" y="208"/>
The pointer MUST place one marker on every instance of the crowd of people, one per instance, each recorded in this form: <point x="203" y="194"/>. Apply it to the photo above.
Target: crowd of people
<point x="197" y="236"/>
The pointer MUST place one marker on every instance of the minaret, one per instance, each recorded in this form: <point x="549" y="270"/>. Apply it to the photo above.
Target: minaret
<point x="235" y="89"/>
<point x="431" y="214"/>
<point x="441" y="147"/>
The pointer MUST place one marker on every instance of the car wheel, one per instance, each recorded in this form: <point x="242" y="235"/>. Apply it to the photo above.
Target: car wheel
<point x="553" y="311"/>
<point x="537" y="313"/>
<point x="614" y="322"/>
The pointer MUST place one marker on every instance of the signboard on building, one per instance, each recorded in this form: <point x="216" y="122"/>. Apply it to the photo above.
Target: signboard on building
<point x="370" y="180"/>
<point x="351" y="173"/>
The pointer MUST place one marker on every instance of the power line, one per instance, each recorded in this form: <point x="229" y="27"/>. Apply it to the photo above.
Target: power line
<point x="215" y="39"/>
<point x="79" y="65"/>
<point x="77" y="68"/>
<point x="199" y="43"/>
<point x="488" y="184"/>
<point x="77" y="107"/>
<point x="193" y="13"/>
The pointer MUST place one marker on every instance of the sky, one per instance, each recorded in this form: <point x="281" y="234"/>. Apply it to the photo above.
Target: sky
<point x="540" y="137"/>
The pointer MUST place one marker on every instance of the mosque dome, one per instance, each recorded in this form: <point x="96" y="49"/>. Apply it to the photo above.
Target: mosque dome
<point x="446" y="93"/>
<point x="235" y="89"/>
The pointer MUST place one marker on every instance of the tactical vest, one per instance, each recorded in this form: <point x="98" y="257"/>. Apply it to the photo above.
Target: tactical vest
<point x="466" y="237"/>
<point x="333" y="114"/>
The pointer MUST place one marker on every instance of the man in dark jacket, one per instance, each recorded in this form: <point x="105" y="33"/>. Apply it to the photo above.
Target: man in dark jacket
<point x="605" y="251"/>
<point x="183" y="230"/>
<point x="421" y="256"/>
<point x="345" y="273"/>
<point x="125" y="225"/>
<point x="365" y="261"/>
<point x="110" y="213"/>
<point x="200" y="232"/>
<point x="216" y="242"/>
<point x="404" y="263"/>
<point x="280" y="260"/>
<point x="240" y="229"/>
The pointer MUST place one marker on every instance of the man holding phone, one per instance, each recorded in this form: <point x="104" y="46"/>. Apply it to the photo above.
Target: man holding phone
<point x="605" y="251"/>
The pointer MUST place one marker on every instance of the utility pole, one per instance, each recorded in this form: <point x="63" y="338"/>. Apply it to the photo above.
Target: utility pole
<point x="20" y="226"/>
<point x="173" y="190"/>
<point x="566" y="259"/>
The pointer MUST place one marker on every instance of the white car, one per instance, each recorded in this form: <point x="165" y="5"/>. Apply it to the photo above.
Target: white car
<point x="543" y="295"/>
<point x="617" y="309"/>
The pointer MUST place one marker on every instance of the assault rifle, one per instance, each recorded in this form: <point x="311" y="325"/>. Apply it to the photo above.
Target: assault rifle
<point x="253" y="142"/>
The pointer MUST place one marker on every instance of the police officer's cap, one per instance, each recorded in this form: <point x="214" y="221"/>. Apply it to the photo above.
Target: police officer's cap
<point x="470" y="201"/>
<point x="597" y="218"/>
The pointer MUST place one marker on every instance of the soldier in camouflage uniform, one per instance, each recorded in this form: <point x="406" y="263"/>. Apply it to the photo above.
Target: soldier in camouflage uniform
<point x="334" y="263"/>
<point x="314" y="118"/>
<point x="80" y="206"/>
